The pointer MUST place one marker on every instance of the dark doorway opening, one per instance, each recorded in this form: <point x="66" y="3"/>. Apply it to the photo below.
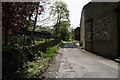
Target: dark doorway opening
<point x="90" y="21"/>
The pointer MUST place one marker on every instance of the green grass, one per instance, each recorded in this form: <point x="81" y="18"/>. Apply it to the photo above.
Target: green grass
<point x="39" y="42"/>
<point x="44" y="40"/>
<point x="81" y="47"/>
<point x="60" y="44"/>
<point x="50" y="52"/>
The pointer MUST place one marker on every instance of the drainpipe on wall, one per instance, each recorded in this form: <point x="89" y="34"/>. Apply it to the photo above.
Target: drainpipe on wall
<point x="118" y="14"/>
<point x="92" y="35"/>
<point x="117" y="10"/>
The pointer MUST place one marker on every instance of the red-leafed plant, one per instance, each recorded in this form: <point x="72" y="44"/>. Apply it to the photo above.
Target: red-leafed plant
<point x="16" y="16"/>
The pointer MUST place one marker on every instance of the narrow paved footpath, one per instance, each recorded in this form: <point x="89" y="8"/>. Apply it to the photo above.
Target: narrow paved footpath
<point x="76" y="63"/>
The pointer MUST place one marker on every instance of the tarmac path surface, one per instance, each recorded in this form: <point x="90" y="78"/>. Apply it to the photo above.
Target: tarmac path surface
<point x="76" y="63"/>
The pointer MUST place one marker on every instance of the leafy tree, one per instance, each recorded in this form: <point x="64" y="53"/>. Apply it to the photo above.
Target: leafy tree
<point x="60" y="13"/>
<point x="17" y="17"/>
<point x="63" y="31"/>
<point x="71" y="33"/>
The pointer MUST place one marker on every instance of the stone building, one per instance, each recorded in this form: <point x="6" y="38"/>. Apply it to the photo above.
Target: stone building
<point x="100" y="28"/>
<point x="77" y="34"/>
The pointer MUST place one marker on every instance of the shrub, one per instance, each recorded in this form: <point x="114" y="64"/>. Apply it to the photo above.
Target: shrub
<point x="34" y="69"/>
<point x="15" y="39"/>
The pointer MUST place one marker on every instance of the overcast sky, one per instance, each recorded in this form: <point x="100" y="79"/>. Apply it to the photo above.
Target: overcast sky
<point x="75" y="8"/>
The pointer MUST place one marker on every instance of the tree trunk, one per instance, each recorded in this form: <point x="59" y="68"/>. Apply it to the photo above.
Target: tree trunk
<point x="34" y="27"/>
<point x="25" y="32"/>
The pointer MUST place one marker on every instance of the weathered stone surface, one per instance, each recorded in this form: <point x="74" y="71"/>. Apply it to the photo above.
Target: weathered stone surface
<point x="99" y="28"/>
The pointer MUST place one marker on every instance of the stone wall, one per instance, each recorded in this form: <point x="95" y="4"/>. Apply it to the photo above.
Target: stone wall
<point x="82" y="30"/>
<point x="42" y="47"/>
<point x="101" y="34"/>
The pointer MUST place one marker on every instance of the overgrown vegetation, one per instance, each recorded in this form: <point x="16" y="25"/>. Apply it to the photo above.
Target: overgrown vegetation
<point x="36" y="67"/>
<point x="14" y="39"/>
<point x="25" y="62"/>
<point x="41" y="61"/>
<point x="26" y="54"/>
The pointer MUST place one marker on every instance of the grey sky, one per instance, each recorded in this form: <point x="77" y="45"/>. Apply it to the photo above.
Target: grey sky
<point x="75" y="8"/>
